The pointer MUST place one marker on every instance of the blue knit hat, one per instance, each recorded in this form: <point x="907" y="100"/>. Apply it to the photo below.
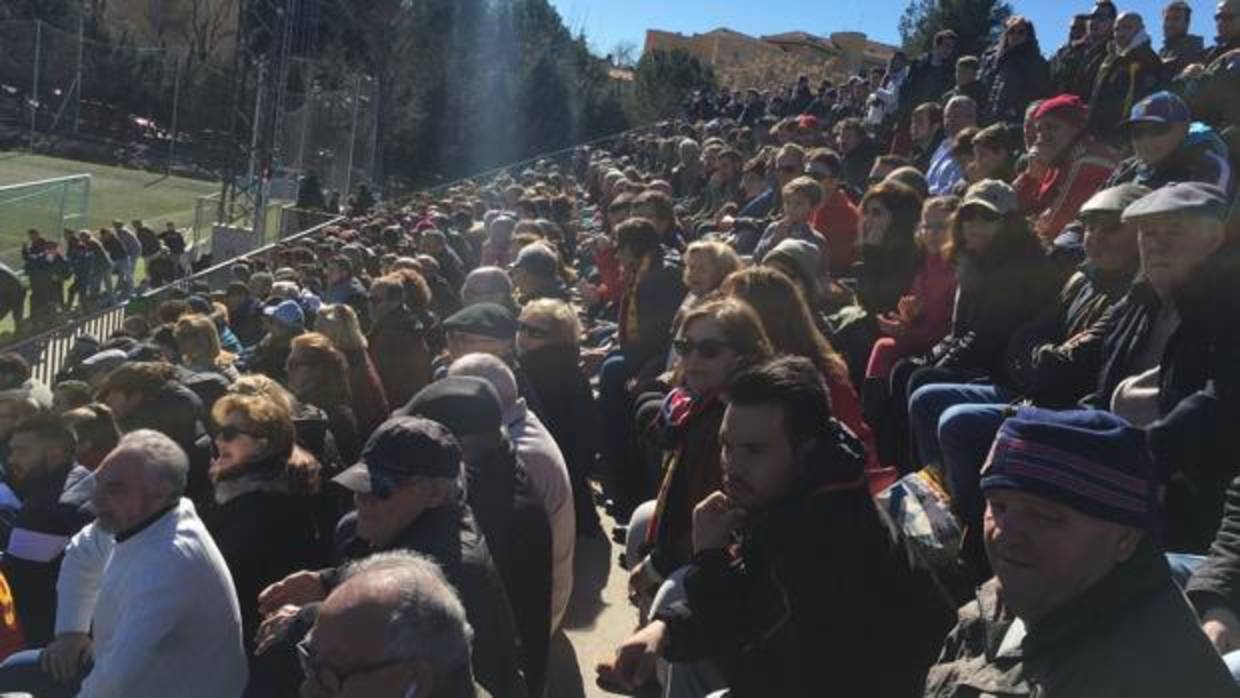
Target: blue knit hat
<point x="1091" y="461"/>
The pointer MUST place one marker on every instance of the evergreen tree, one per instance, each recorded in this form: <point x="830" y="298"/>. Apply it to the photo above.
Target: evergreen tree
<point x="977" y="23"/>
<point x="662" y="82"/>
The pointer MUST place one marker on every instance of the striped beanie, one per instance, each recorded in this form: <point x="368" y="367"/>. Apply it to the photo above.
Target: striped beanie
<point x="1091" y="461"/>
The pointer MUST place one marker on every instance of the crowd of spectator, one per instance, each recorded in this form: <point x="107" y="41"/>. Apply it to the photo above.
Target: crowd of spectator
<point x="921" y="384"/>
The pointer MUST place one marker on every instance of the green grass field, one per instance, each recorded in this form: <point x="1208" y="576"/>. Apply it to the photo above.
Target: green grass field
<point x="115" y="192"/>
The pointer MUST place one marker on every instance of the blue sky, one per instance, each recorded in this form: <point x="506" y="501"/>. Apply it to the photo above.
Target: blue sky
<point x="607" y="22"/>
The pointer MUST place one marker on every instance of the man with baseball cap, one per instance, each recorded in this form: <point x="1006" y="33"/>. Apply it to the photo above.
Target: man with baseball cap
<point x="408" y="487"/>
<point x="1082" y="603"/>
<point x="283" y="321"/>
<point x="1168" y="147"/>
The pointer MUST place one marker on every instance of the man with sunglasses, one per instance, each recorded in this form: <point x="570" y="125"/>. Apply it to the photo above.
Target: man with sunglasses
<point x="1164" y="152"/>
<point x="408" y="488"/>
<point x="393" y="629"/>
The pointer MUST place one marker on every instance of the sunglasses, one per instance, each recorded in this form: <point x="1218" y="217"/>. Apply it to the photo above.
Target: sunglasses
<point x="706" y="348"/>
<point x="229" y="433"/>
<point x="1149" y="130"/>
<point x="534" y="331"/>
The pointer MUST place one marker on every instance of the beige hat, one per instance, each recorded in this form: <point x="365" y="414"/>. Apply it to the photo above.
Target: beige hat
<point x="991" y="194"/>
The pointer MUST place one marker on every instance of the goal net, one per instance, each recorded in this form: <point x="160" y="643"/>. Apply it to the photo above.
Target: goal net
<point x="49" y="206"/>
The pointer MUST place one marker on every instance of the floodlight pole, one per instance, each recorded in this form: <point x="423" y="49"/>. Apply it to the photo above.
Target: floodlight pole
<point x="34" y="97"/>
<point x="357" y="102"/>
<point x="176" y="104"/>
<point x="77" y="106"/>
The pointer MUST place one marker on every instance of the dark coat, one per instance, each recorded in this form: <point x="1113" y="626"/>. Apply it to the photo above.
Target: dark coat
<point x="802" y="607"/>
<point x="1016" y="77"/>
<point x="53" y="507"/>
<point x="999" y="291"/>
<point x="1180" y="52"/>
<point x="1040" y="356"/>
<point x="266" y="530"/>
<point x="1195" y="160"/>
<point x="1123" y="80"/>
<point x="660" y="290"/>
<point x="1199" y="392"/>
<point x="1216" y="583"/>
<point x="884" y="275"/>
<point x="177" y="412"/>
<point x="247" y="322"/>
<point x="398" y="347"/>
<point x="370" y="403"/>
<point x="1130" y="634"/>
<point x="450" y="536"/>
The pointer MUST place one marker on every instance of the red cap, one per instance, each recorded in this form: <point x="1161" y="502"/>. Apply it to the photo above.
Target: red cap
<point x="808" y="121"/>
<point x="1066" y="107"/>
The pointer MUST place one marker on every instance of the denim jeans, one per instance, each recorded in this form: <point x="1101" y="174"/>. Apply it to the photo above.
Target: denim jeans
<point x="615" y="406"/>
<point x="21" y="673"/>
<point x="927" y="404"/>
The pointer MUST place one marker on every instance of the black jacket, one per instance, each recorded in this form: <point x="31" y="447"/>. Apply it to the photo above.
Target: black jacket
<point x="1199" y="392"/>
<point x="247" y="322"/>
<point x="177" y="412"/>
<point x="1216" y="583"/>
<point x="999" y="291"/>
<point x="1040" y="356"/>
<point x="885" y="274"/>
<point x="804" y="606"/>
<point x="660" y="291"/>
<point x="1016" y="77"/>
<point x="54" y="508"/>
<point x="1122" y="81"/>
<point x="450" y="536"/>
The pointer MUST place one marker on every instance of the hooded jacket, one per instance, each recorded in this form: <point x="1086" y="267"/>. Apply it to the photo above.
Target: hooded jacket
<point x="1017" y="77"/>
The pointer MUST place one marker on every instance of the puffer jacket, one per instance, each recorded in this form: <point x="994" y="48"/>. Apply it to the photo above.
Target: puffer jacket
<point x="1131" y="634"/>
<point x="1017" y="77"/>
<point x="780" y="621"/>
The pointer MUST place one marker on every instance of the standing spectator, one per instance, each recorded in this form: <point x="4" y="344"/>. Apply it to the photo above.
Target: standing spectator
<point x="1016" y="71"/>
<point x="133" y="250"/>
<point x="1180" y="48"/>
<point x="1069" y="60"/>
<point x="968" y="82"/>
<point x="1074" y="595"/>
<point x="1130" y="72"/>
<point x="1098" y="48"/>
<point x="145" y="603"/>
<point x="117" y="256"/>
<point x="929" y="76"/>
<point x="147" y="238"/>
<point x="174" y="240"/>
<point x="47" y="269"/>
<point x="245" y="314"/>
<point x="284" y="321"/>
<point x="12" y="297"/>
<point x="1066" y="166"/>
<point x="318" y="375"/>
<point x="398" y="343"/>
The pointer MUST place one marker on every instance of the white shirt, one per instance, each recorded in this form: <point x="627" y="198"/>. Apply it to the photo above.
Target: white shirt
<point x="544" y="462"/>
<point x="163" y="609"/>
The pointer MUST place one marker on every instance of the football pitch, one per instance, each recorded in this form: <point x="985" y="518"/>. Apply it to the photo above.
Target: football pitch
<point x="115" y="193"/>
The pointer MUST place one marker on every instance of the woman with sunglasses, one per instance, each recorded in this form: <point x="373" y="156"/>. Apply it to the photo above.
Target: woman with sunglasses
<point x="1016" y="72"/>
<point x="548" y="335"/>
<point x="787" y="321"/>
<point x="717" y="339"/>
<point x="262" y="484"/>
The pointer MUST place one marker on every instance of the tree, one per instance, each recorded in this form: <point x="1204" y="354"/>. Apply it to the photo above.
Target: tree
<point x="625" y="54"/>
<point x="977" y="23"/>
<point x="662" y="82"/>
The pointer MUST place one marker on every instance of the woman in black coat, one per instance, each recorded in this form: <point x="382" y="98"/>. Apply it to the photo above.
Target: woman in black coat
<point x="266" y="494"/>
<point x="1016" y="72"/>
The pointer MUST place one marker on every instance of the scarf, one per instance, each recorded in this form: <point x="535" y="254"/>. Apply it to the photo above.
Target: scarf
<point x="629" y="332"/>
<point x="678" y="410"/>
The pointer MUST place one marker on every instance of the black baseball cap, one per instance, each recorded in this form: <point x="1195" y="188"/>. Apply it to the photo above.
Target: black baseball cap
<point x="485" y="319"/>
<point x="401" y="449"/>
<point x="466" y="405"/>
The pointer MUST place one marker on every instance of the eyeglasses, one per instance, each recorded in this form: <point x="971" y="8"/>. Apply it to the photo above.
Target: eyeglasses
<point x="329" y="677"/>
<point x="1149" y="130"/>
<point x="706" y="348"/>
<point x="534" y="331"/>
<point x="230" y="433"/>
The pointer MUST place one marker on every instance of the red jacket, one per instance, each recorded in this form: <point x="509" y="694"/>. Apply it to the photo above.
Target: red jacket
<point x="370" y="403"/>
<point x="837" y="219"/>
<point x="1055" y="198"/>
<point x="935" y="287"/>
<point x="846" y="407"/>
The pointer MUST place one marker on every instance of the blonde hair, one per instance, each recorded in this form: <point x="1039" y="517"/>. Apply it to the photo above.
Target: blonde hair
<point x="565" y="328"/>
<point x="261" y="385"/>
<point x="805" y="187"/>
<point x="265" y="417"/>
<point x="339" y="323"/>
<point x="722" y="259"/>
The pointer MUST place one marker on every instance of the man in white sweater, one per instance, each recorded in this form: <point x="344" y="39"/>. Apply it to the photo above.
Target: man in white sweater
<point x="146" y="607"/>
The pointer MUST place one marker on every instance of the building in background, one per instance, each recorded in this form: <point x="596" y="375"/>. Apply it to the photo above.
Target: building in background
<point x="743" y="61"/>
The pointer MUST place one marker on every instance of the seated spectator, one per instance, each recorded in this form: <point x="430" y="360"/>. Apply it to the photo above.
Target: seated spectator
<point x="340" y="325"/>
<point x="792" y="476"/>
<point x="487" y="285"/>
<point x="283" y="321"/>
<point x="800" y="198"/>
<point x="1070" y="597"/>
<point x="945" y="171"/>
<point x="413" y="504"/>
<point x="71" y="394"/>
<point x="266" y="500"/>
<point x="968" y="84"/>
<point x="1168" y="148"/>
<point x="716" y="341"/>
<point x="656" y="207"/>
<point x="992" y="155"/>
<point x="502" y="497"/>
<point x="345" y="288"/>
<point x="244" y="314"/>
<point x="199" y="344"/>
<point x="398" y="338"/>
<point x="1016" y="72"/>
<point x="925" y="134"/>
<point x="399" y="607"/>
<point x="1130" y="71"/>
<point x="1043" y="361"/>
<point x="536" y="274"/>
<point x="858" y="151"/>
<point x="96" y="432"/>
<point x="548" y="336"/>
<point x="836" y="217"/>
<point x="544" y="463"/>
<point x="55" y="493"/>
<point x="1180" y="49"/>
<point x="786" y="320"/>
<point x="145" y="605"/>
<point x="318" y="375"/>
<point x="1066" y="166"/>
